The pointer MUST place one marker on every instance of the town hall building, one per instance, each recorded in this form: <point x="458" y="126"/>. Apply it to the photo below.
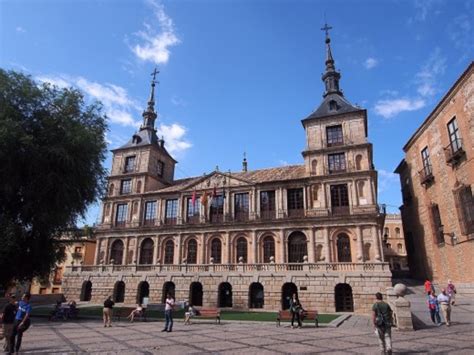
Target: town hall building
<point x="246" y="239"/>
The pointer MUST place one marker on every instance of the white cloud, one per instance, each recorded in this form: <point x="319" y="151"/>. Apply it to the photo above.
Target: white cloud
<point x="283" y="162"/>
<point x="392" y="107"/>
<point x="174" y="136"/>
<point x="155" y="46"/>
<point x="460" y="32"/>
<point x="370" y="63"/>
<point x="423" y="10"/>
<point x="428" y="76"/>
<point x="178" y="101"/>
<point x="386" y="180"/>
<point x="20" y="29"/>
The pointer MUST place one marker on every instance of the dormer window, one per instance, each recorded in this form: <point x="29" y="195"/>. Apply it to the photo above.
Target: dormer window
<point x="333" y="105"/>
<point x="160" y="167"/>
<point x="136" y="139"/>
<point x="129" y="164"/>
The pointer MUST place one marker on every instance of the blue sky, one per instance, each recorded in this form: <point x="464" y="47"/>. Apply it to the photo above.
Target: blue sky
<point x="240" y="75"/>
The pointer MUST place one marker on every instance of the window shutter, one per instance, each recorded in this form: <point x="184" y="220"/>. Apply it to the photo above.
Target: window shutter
<point x="465" y="209"/>
<point x="438" y="236"/>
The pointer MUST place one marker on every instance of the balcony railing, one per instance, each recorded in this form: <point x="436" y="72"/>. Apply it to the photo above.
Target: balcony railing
<point x="216" y="218"/>
<point x="149" y="222"/>
<point x="241" y="216"/>
<point x="426" y="175"/>
<point x="454" y="151"/>
<point x="76" y="255"/>
<point x="171" y="221"/>
<point x="193" y="219"/>
<point x="341" y="210"/>
<point x="295" y="213"/>
<point x="225" y="268"/>
<point x="267" y="215"/>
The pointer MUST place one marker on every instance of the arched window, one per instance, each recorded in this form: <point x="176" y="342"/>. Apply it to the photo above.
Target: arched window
<point x="256" y="295"/>
<point x="119" y="292"/>
<point x="139" y="187"/>
<point x="386" y="232"/>
<point x="168" y="289"/>
<point x="343" y="248"/>
<point x="216" y="250"/>
<point x="367" y="251"/>
<point x="225" y="295"/>
<point x="143" y="291"/>
<point x="314" y="166"/>
<point x="241" y="249"/>
<point x="111" y="189"/>
<point x="315" y="190"/>
<point x="297" y="247"/>
<point x="400" y="247"/>
<point x="191" y="256"/>
<point x="319" y="252"/>
<point x="268" y="248"/>
<point x="358" y="162"/>
<point x="86" y="291"/>
<point x="169" y="252"/>
<point x="361" y="186"/>
<point x="397" y="232"/>
<point x="287" y="291"/>
<point x="195" y="294"/>
<point x="116" y="253"/>
<point x="146" y="251"/>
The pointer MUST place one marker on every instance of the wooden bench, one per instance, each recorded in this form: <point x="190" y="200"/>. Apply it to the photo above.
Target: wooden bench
<point x="306" y="314"/>
<point x="122" y="312"/>
<point x="209" y="313"/>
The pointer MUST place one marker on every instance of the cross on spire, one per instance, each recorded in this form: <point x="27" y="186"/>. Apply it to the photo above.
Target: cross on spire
<point x="156" y="71"/>
<point x="326" y="29"/>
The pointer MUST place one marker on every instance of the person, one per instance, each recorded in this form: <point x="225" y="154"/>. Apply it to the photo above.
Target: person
<point x="108" y="305"/>
<point x="295" y="310"/>
<point x="73" y="311"/>
<point x="191" y="312"/>
<point x="8" y="320"/>
<point x="445" y="303"/>
<point x="22" y="323"/>
<point x="169" y="305"/>
<point x="451" y="291"/>
<point x="433" y="306"/>
<point x="136" y="312"/>
<point x="382" y="320"/>
<point x="428" y="286"/>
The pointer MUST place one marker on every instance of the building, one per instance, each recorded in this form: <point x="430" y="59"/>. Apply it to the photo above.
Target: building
<point x="245" y="239"/>
<point x="437" y="179"/>
<point x="394" y="248"/>
<point x="79" y="248"/>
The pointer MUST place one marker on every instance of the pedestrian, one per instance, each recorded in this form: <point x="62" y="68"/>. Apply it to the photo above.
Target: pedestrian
<point x="22" y="323"/>
<point x="8" y="320"/>
<point x="433" y="306"/>
<point x="169" y="305"/>
<point x="451" y="289"/>
<point x="382" y="320"/>
<point x="428" y="286"/>
<point x="445" y="303"/>
<point x="108" y="305"/>
<point x="190" y="313"/>
<point x="137" y="312"/>
<point x="295" y="309"/>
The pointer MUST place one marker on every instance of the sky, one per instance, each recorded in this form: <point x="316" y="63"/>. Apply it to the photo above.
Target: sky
<point x="239" y="75"/>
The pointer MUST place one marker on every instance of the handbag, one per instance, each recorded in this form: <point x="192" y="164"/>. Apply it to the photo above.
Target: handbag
<point x="379" y="320"/>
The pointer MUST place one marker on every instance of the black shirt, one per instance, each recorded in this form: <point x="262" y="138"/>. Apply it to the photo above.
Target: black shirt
<point x="9" y="313"/>
<point x="108" y="303"/>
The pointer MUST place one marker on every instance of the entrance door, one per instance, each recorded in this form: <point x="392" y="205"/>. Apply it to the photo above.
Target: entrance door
<point x="287" y="292"/>
<point x="343" y="298"/>
<point x="143" y="291"/>
<point x="168" y="288"/>
<point x="225" y="295"/>
<point x="256" y="296"/>
<point x="195" y="294"/>
<point x="86" y="293"/>
<point x="119" y="292"/>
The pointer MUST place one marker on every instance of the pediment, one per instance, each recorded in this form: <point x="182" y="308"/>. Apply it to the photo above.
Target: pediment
<point x="218" y="180"/>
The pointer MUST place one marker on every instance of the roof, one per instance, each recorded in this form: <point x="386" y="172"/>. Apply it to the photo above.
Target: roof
<point x="438" y="107"/>
<point x="325" y="110"/>
<point x="283" y="173"/>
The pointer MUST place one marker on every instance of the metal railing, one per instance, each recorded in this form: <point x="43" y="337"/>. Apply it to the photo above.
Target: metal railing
<point x="426" y="174"/>
<point x="454" y="151"/>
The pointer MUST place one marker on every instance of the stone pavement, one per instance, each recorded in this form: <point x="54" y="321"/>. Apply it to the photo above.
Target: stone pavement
<point x="354" y="336"/>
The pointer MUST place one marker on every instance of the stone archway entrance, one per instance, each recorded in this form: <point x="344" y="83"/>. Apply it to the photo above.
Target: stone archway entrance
<point x="195" y="294"/>
<point x="86" y="292"/>
<point x="119" y="292"/>
<point x="343" y="298"/>
<point x="225" y="295"/>
<point x="143" y="291"/>
<point x="256" y="295"/>
<point x="168" y="287"/>
<point x="287" y="291"/>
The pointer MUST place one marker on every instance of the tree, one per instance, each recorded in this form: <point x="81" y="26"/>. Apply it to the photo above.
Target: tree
<point x="52" y="147"/>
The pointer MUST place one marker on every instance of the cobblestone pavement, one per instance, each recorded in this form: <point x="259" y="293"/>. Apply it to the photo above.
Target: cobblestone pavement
<point x="355" y="336"/>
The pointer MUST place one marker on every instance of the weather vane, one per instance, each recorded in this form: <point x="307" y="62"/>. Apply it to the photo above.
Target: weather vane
<point x="156" y="71"/>
<point x="326" y="29"/>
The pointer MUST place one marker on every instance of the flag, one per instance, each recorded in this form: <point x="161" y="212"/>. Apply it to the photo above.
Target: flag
<point x="204" y="199"/>
<point x="223" y="192"/>
<point x="193" y="199"/>
<point x="214" y="192"/>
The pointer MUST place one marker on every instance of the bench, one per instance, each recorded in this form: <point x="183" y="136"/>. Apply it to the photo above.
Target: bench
<point x="306" y="314"/>
<point x="209" y="313"/>
<point x="122" y="312"/>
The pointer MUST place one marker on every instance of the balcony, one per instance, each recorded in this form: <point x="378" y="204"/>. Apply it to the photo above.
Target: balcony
<point x="340" y="210"/>
<point x="241" y="216"/>
<point x="216" y="218"/>
<point x="296" y="213"/>
<point x="171" y="221"/>
<point x="426" y="175"/>
<point x="76" y="255"/>
<point x="454" y="152"/>
<point x="267" y="215"/>
<point x="149" y="222"/>
<point x="193" y="219"/>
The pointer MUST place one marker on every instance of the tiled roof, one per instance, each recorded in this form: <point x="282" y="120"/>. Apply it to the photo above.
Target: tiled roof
<point x="283" y="173"/>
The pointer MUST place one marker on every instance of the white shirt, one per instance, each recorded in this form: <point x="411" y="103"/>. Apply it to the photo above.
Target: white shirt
<point x="169" y="304"/>
<point x="443" y="298"/>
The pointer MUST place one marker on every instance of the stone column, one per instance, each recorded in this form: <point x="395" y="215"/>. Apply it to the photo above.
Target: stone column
<point x="125" y="254"/>
<point x="107" y="251"/>
<point x="155" y="251"/>
<point x="327" y="245"/>
<point x="228" y="245"/>
<point x="203" y="249"/>
<point x="360" y="244"/>
<point x="178" y="240"/>
<point x="312" y="236"/>
<point x="282" y="248"/>
<point x="97" y="252"/>
<point x="375" y="236"/>
<point x="254" y="247"/>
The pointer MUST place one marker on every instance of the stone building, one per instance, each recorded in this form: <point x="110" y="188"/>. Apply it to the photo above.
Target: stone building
<point x="245" y="239"/>
<point x="394" y="248"/>
<point x="437" y="179"/>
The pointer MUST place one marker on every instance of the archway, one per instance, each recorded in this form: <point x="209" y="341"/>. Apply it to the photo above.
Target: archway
<point x="256" y="295"/>
<point x="146" y="252"/>
<point x="343" y="298"/>
<point x="225" y="295"/>
<point x="241" y="250"/>
<point x="287" y="292"/>
<point x="343" y="248"/>
<point x="116" y="252"/>
<point x="297" y="247"/>
<point x="119" y="292"/>
<point x="143" y="291"/>
<point x="168" y="288"/>
<point x="86" y="291"/>
<point x="195" y="294"/>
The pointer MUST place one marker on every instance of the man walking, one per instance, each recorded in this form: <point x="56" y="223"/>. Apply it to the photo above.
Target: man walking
<point x="107" y="313"/>
<point x="382" y="320"/>
<point x="22" y="323"/>
<point x="445" y="303"/>
<point x="8" y="319"/>
<point x="169" y="305"/>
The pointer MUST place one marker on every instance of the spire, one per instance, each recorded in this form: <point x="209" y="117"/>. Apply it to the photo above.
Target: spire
<point x="244" y="163"/>
<point x="331" y="76"/>
<point x="149" y="115"/>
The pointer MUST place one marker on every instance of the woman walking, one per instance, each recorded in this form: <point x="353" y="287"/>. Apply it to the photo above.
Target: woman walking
<point x="108" y="305"/>
<point x="169" y="305"/>
<point x="433" y="305"/>
<point x="295" y="309"/>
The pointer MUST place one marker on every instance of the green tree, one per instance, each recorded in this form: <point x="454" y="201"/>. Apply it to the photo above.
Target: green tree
<point x="52" y="147"/>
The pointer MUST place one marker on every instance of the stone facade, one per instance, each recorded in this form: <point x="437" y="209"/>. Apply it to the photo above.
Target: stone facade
<point x="394" y="248"/>
<point x="245" y="239"/>
<point x="437" y="178"/>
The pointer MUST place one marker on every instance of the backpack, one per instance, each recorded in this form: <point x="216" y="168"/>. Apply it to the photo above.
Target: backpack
<point x="380" y="320"/>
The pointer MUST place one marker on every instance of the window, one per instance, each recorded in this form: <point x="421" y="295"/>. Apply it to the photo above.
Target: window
<point x="339" y="199"/>
<point x="116" y="252"/>
<point x="295" y="202"/>
<point x="267" y="204"/>
<point x="169" y="252"/>
<point x="241" y="249"/>
<point x="171" y="214"/>
<point x="193" y="210"/>
<point x="334" y="135"/>
<point x="58" y="276"/>
<point x="146" y="252"/>
<point x="126" y="186"/>
<point x="386" y="232"/>
<point x="337" y="162"/>
<point x="217" y="209"/>
<point x="333" y="105"/>
<point x="121" y="216"/>
<point x="191" y="257"/>
<point x="77" y="249"/>
<point x="343" y="248"/>
<point x="400" y="248"/>
<point x="268" y="249"/>
<point x="425" y="156"/>
<point x="438" y="230"/>
<point x="397" y="232"/>
<point x="465" y="209"/>
<point x="216" y="250"/>
<point x="160" y="167"/>
<point x="454" y="135"/>
<point x="150" y="213"/>
<point x="297" y="247"/>
<point x="129" y="164"/>
<point x="314" y="167"/>
<point x="358" y="162"/>
<point x="241" y="207"/>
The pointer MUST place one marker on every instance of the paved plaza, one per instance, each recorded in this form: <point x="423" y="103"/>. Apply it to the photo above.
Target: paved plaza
<point x="354" y="336"/>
